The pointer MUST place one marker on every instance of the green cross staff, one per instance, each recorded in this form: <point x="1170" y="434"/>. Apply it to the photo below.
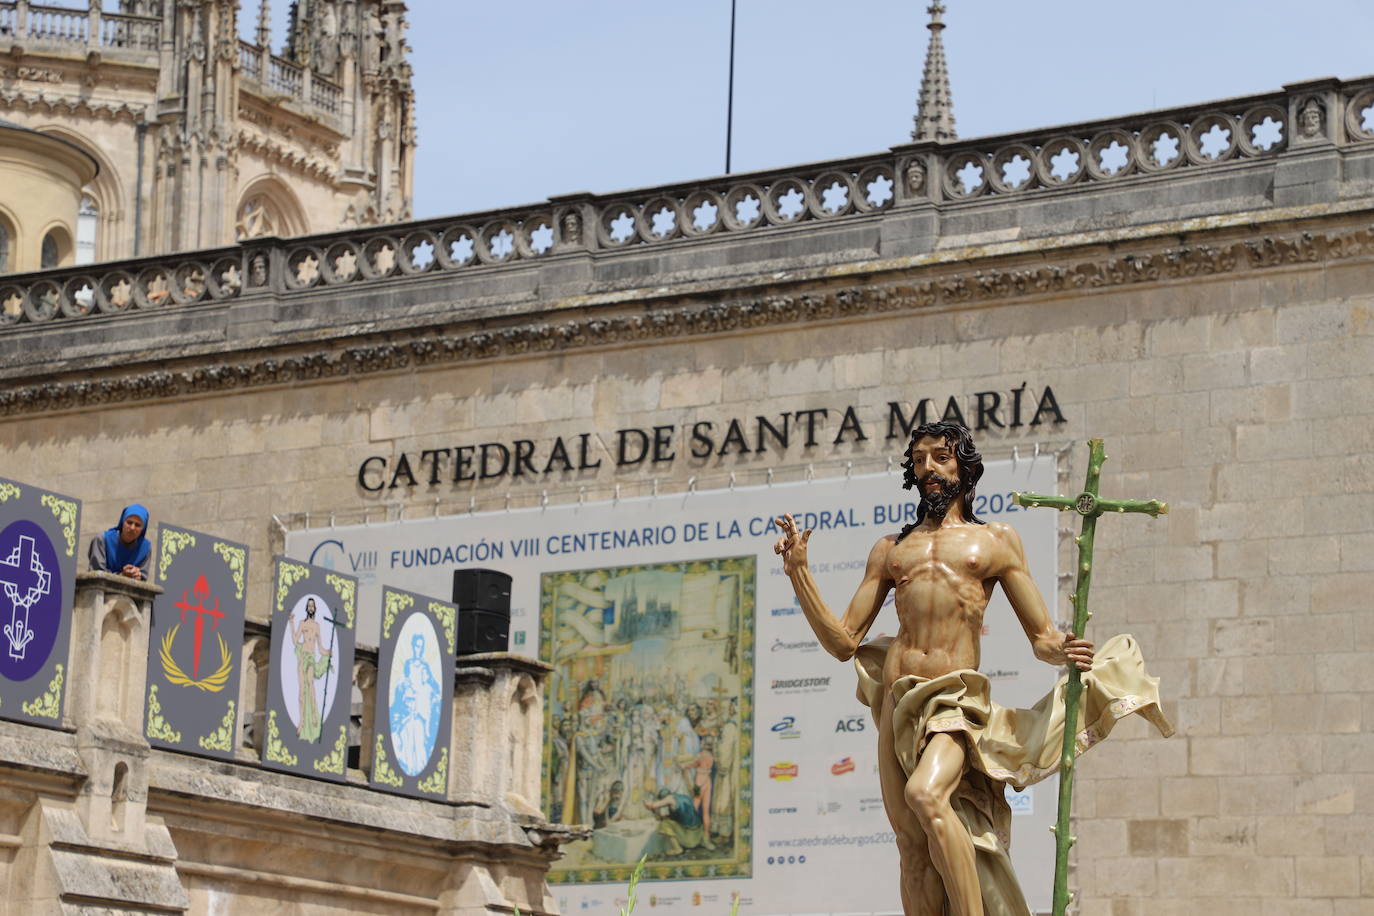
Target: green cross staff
<point x="1089" y="505"/>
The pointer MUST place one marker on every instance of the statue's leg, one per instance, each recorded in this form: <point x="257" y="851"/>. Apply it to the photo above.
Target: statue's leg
<point x="928" y="793"/>
<point x="923" y="892"/>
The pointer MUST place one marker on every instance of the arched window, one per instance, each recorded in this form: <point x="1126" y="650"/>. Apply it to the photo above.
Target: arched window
<point x="87" y="227"/>
<point x="51" y="254"/>
<point x="4" y="248"/>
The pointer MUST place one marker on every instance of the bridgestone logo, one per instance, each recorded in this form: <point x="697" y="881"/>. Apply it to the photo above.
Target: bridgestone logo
<point x="790" y="683"/>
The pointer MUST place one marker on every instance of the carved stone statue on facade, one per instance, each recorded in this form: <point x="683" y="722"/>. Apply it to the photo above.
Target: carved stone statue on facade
<point x="327" y="40"/>
<point x="257" y="270"/>
<point x="1311" y="120"/>
<point x="572" y="228"/>
<point x="373" y="40"/>
<point x="915" y="178"/>
<point x="945" y="750"/>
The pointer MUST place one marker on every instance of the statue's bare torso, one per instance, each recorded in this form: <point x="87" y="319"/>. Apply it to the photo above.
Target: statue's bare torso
<point x="941" y="573"/>
<point x="942" y="581"/>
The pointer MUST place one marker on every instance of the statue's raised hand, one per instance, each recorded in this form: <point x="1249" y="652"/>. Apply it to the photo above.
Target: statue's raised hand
<point x="792" y="545"/>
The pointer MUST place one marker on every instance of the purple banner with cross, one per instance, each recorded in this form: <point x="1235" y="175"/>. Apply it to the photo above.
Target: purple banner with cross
<point x="38" y="531"/>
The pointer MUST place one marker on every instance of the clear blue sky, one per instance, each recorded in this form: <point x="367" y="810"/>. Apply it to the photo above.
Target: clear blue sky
<point x="520" y="101"/>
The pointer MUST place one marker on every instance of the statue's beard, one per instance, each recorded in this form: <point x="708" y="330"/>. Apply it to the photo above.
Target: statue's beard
<point x="935" y="502"/>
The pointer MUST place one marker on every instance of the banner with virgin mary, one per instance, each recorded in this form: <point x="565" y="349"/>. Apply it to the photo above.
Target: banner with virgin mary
<point x="415" y="665"/>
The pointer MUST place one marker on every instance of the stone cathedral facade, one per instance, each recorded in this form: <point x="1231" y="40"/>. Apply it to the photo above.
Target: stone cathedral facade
<point x="203" y="137"/>
<point x="1192" y="284"/>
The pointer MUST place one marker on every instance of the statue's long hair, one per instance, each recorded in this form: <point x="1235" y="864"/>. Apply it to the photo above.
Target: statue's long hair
<point x="966" y="455"/>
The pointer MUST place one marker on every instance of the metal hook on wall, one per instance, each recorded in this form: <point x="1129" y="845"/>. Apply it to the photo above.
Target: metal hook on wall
<point x="770" y="477"/>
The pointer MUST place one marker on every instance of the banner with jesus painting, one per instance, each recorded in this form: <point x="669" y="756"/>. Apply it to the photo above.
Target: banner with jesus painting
<point x="310" y="679"/>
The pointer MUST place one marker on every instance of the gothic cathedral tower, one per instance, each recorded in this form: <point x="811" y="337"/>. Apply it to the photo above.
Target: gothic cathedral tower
<point x="204" y="133"/>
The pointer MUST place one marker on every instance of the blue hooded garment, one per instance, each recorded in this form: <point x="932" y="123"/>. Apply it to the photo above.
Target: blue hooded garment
<point x="117" y="553"/>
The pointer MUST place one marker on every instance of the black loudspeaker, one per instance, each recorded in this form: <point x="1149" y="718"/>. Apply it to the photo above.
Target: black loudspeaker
<point x="483" y="599"/>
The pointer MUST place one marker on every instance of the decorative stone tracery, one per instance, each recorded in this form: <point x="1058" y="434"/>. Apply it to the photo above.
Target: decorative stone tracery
<point x="938" y="287"/>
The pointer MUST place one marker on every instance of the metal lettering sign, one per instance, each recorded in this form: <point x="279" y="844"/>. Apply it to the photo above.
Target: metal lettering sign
<point x="38" y="532"/>
<point x="195" y="643"/>
<point x="310" y="679"/>
<point x="414" y="695"/>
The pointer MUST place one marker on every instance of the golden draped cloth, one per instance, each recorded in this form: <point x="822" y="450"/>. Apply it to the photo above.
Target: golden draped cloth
<point x="1013" y="746"/>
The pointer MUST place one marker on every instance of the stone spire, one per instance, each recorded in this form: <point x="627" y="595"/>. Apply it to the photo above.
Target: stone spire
<point x="264" y="34"/>
<point x="935" y="108"/>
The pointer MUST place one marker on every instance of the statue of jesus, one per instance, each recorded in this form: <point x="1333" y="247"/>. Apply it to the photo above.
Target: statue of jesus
<point x="945" y="751"/>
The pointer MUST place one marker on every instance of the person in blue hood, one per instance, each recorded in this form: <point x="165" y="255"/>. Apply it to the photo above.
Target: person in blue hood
<point x="124" y="549"/>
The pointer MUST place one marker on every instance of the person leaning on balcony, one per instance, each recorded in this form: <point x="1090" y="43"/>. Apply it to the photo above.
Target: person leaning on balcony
<point x="124" y="549"/>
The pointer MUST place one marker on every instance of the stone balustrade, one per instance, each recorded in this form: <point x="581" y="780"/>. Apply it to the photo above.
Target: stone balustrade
<point x="498" y="695"/>
<point x="22" y="21"/>
<point x="940" y="177"/>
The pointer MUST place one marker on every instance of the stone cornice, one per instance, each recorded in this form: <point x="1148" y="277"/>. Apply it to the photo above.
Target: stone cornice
<point x="38" y="101"/>
<point x="879" y="292"/>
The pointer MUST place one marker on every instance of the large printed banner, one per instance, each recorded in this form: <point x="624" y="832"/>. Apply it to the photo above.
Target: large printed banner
<point x="692" y="716"/>
<point x="651" y="691"/>
<point x="195" y="642"/>
<point x="37" y="586"/>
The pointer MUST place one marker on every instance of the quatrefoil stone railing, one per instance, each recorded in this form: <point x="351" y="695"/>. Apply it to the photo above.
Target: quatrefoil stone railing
<point x="943" y="176"/>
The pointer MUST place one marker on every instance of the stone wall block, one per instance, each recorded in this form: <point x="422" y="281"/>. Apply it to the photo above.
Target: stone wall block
<point x="1210" y="371"/>
<point x="1324" y="793"/>
<point x="689" y="389"/>
<point x="1247" y="637"/>
<point x="1302" y="323"/>
<point x="1243" y="330"/>
<point x="1328" y="876"/>
<point x="1179" y="336"/>
<point x="1199" y="877"/>
<point x="1189" y="796"/>
<point x="1220" y="836"/>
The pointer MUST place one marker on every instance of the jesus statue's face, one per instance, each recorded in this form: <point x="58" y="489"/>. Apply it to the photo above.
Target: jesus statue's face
<point x="937" y="474"/>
